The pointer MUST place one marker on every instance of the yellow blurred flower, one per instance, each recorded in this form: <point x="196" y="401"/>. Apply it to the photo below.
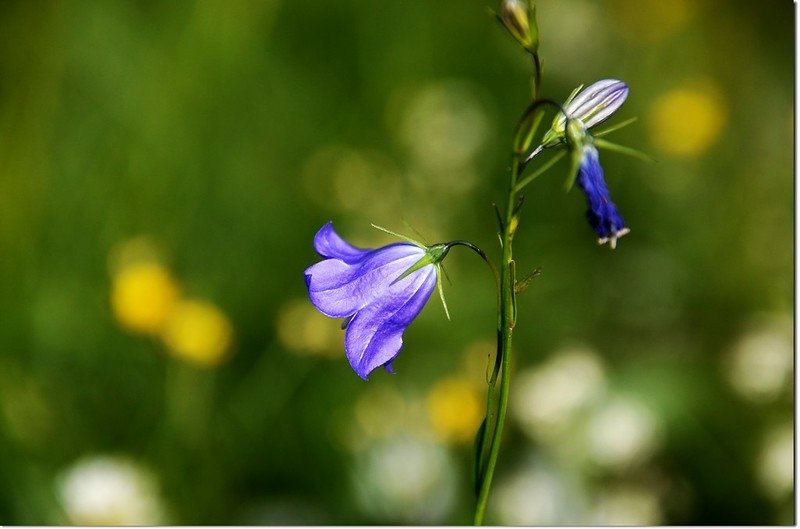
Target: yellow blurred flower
<point x="687" y="120"/>
<point x="198" y="332"/>
<point x="455" y="409"/>
<point x="143" y="294"/>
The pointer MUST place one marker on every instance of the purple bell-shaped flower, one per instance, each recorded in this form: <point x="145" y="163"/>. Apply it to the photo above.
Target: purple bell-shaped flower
<point x="379" y="292"/>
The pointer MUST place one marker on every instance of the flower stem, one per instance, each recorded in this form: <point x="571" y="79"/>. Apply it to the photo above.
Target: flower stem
<point x="503" y="359"/>
<point x="507" y="308"/>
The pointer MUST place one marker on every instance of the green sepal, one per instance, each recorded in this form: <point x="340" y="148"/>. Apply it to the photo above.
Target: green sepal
<point x="575" y="156"/>
<point x="616" y="127"/>
<point x="552" y="138"/>
<point x="439" y="287"/>
<point x="398" y="235"/>
<point x="622" y="149"/>
<point x="433" y="255"/>
<point x="572" y="95"/>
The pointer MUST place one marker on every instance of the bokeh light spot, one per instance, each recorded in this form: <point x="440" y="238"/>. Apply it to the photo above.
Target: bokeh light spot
<point x="627" y="505"/>
<point x="545" y="399"/>
<point x="687" y="120"/>
<point x="455" y="409"/>
<point x="198" y="332"/>
<point x="535" y="494"/>
<point x="621" y="433"/>
<point x="775" y="463"/>
<point x="303" y="330"/>
<point x="406" y="479"/>
<point x="142" y="297"/>
<point x="444" y="125"/>
<point x="105" y="490"/>
<point x="760" y="363"/>
<point x="380" y="412"/>
<point x="651" y="21"/>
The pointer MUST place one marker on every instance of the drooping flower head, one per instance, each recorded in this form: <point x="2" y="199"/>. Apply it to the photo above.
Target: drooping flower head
<point x="584" y="109"/>
<point x="378" y="292"/>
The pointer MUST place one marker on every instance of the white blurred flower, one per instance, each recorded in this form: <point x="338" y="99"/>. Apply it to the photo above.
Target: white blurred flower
<point x="546" y="398"/>
<point x="535" y="495"/>
<point x="105" y="490"/>
<point x="775" y="468"/>
<point x="621" y="432"/>
<point x="406" y="480"/>
<point x="626" y="505"/>
<point x="760" y="363"/>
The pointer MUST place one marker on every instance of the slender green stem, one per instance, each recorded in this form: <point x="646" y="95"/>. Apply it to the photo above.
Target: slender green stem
<point x="506" y="326"/>
<point x="497" y="400"/>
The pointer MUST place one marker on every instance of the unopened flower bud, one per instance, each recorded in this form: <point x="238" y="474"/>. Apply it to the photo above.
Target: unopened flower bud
<point x="516" y="17"/>
<point x="591" y="106"/>
<point x="597" y="102"/>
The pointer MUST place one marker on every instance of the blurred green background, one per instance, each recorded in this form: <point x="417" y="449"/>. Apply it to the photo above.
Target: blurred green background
<point x="165" y="165"/>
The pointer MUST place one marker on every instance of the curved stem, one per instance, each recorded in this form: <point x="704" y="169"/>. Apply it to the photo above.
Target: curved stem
<point x="483" y="256"/>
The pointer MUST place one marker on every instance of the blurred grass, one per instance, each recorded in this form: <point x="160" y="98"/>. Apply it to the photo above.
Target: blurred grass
<point x="227" y="132"/>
